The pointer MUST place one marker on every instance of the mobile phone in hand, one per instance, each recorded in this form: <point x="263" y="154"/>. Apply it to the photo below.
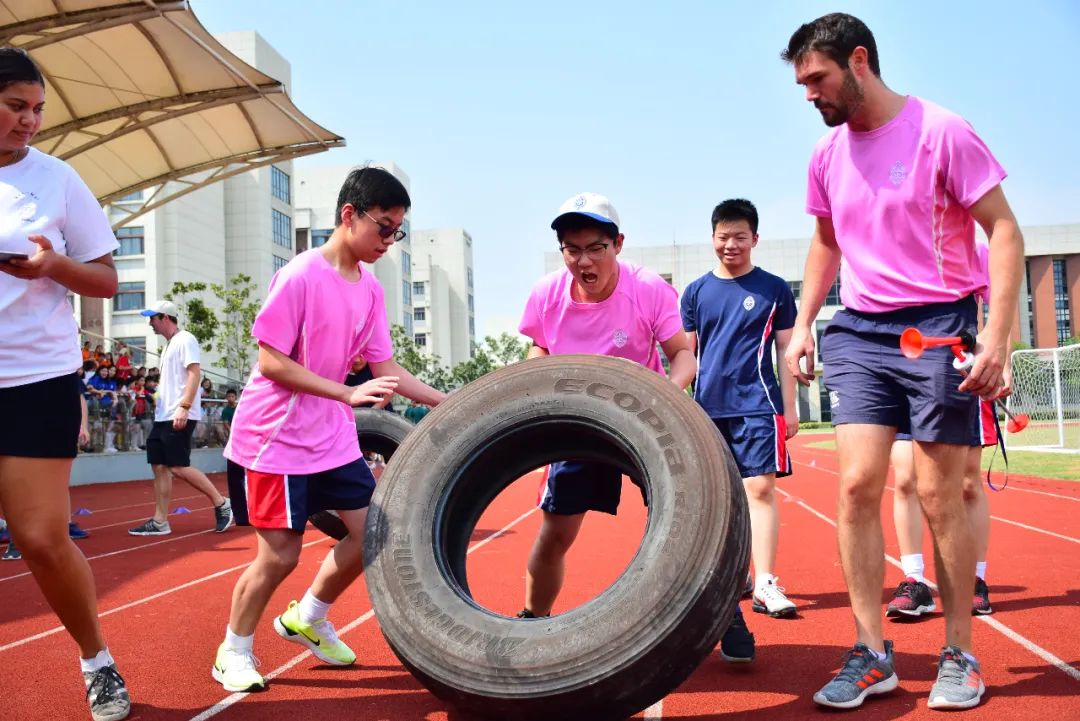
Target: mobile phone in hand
<point x="7" y="255"/>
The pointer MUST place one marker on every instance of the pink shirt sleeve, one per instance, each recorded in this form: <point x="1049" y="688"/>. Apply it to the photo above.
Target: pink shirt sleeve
<point x="379" y="347"/>
<point x="666" y="321"/>
<point x="279" y="320"/>
<point x="970" y="169"/>
<point x="532" y="321"/>
<point x="817" y="198"/>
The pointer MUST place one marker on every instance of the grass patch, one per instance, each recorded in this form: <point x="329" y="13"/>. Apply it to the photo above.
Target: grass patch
<point x="1054" y="466"/>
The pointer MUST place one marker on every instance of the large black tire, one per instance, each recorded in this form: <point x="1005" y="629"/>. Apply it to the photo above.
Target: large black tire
<point x="379" y="431"/>
<point x="628" y="647"/>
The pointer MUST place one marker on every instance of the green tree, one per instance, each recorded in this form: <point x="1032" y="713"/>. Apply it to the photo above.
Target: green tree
<point x="425" y="366"/>
<point x="505" y="349"/>
<point x="196" y="316"/>
<point x="235" y="344"/>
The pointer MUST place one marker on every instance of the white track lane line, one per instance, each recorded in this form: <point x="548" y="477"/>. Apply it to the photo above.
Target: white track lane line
<point x="241" y="695"/>
<point x="654" y="712"/>
<point x="993" y="623"/>
<point x="140" y="601"/>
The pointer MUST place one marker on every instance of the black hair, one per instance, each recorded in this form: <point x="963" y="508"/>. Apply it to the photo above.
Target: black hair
<point x="836" y="35"/>
<point x="88" y="365"/>
<point x="230" y="390"/>
<point x="733" y="210"/>
<point x="366" y="188"/>
<point x="16" y="66"/>
<point x="573" y="222"/>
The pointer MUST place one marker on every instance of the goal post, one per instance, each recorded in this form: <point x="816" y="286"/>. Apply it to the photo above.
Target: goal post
<point x="1046" y="386"/>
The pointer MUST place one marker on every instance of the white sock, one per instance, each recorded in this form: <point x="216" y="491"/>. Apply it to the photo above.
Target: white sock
<point x="980" y="570"/>
<point x="913" y="566"/>
<point x="312" y="609"/>
<point x="881" y="655"/>
<point x="763" y="579"/>
<point x="969" y="657"/>
<point x="103" y="659"/>
<point x="234" y="642"/>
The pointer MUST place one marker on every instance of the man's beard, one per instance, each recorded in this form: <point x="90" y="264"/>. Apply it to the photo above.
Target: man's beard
<point x="851" y="97"/>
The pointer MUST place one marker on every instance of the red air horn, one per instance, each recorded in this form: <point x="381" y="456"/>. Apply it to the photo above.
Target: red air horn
<point x="913" y="344"/>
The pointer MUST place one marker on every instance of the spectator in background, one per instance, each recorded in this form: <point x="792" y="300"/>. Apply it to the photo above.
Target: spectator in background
<point x="99" y="354"/>
<point x="86" y="350"/>
<point x="416" y="412"/>
<point x="123" y="365"/>
<point x="107" y="361"/>
<point x="140" y="372"/>
<point x="224" y="426"/>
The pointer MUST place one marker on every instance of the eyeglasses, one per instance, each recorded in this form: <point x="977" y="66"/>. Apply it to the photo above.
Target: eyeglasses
<point x="595" y="251"/>
<point x="386" y="230"/>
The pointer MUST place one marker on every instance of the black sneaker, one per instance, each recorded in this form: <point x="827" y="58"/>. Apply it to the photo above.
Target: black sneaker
<point x="911" y="598"/>
<point x="526" y="613"/>
<point x="151" y="528"/>
<point x="737" y="644"/>
<point x="107" y="694"/>
<point x="980" y="603"/>
<point x="223" y="516"/>
<point x="76" y="533"/>
<point x="12" y="553"/>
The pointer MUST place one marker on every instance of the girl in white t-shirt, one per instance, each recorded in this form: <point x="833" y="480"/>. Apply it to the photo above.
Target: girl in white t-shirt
<point x="54" y="240"/>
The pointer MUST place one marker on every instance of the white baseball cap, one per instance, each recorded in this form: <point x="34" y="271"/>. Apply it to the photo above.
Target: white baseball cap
<point x="591" y="205"/>
<point x="162" y="307"/>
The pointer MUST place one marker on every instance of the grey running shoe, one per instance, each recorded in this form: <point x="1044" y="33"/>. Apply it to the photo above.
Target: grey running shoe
<point x="223" y="516"/>
<point x="959" y="681"/>
<point x="861" y="675"/>
<point x="151" y="528"/>
<point x="107" y="694"/>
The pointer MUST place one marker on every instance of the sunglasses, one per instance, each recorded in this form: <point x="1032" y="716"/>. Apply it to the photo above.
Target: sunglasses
<point x="386" y="230"/>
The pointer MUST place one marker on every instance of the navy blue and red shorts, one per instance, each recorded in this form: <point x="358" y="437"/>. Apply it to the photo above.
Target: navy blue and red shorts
<point x="573" y="487"/>
<point x="759" y="444"/>
<point x="986" y="430"/>
<point x="870" y="381"/>
<point x="275" y="500"/>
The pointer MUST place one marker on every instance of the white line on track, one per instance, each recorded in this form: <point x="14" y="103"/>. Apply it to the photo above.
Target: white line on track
<point x="123" y="550"/>
<point x="140" y="601"/>
<point x="654" y="712"/>
<point x="240" y="696"/>
<point x="992" y="622"/>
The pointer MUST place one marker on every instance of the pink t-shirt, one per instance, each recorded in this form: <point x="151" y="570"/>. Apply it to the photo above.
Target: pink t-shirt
<point x="322" y="322"/>
<point x="899" y="197"/>
<point x="643" y="310"/>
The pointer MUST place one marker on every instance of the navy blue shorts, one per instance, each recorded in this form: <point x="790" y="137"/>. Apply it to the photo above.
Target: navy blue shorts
<point x="869" y="381"/>
<point x="758" y="443"/>
<point x="574" y="487"/>
<point x="986" y="429"/>
<point x="274" y="500"/>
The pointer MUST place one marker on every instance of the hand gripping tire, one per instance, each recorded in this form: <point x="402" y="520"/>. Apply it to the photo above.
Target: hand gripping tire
<point x="628" y="647"/>
<point x="379" y="431"/>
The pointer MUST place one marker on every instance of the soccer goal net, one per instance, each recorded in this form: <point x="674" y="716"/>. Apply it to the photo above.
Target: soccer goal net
<point x="1046" y="386"/>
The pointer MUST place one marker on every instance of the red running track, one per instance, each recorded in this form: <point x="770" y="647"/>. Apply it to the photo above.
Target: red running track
<point x="165" y="604"/>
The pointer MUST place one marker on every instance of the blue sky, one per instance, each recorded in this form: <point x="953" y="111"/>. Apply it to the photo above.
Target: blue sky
<point x="498" y="111"/>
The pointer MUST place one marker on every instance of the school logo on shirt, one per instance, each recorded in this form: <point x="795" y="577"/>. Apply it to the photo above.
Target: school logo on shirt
<point x="748" y="302"/>
<point x="898" y="173"/>
<point x="619" y="337"/>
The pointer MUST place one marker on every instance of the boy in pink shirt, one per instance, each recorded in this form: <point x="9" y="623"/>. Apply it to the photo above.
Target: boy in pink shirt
<point x="599" y="305"/>
<point x="293" y="448"/>
<point x="896" y="189"/>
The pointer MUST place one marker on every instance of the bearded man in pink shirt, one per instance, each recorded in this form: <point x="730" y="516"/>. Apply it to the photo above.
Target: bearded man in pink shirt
<point x="599" y="305"/>
<point x="896" y="188"/>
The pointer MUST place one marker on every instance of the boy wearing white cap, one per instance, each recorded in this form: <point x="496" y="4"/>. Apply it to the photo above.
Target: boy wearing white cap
<point x="177" y="412"/>
<point x="596" y="304"/>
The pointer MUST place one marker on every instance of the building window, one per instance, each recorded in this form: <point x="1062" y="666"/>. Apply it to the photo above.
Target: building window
<point x="666" y="277"/>
<point x="468" y="275"/>
<point x="1061" y="302"/>
<point x="406" y="292"/>
<point x="826" y="405"/>
<point x="137" y="354"/>
<point x="319" y="236"/>
<point x="279" y="263"/>
<point x="135" y="197"/>
<point x="421" y="340"/>
<point x="406" y="318"/>
<point x="282" y="229"/>
<point x="472" y="328"/>
<point x="470" y="303"/>
<point x="796" y="288"/>
<point x="406" y="265"/>
<point x="130" y="296"/>
<point x="833" y="298"/>
<point x="418" y="289"/>
<point x="279" y="184"/>
<point x="419" y="314"/>
<point x="131" y="241"/>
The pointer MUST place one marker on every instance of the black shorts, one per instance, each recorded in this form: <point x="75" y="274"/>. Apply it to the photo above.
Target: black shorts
<point x="573" y="487"/>
<point x="41" y="420"/>
<point x="168" y="447"/>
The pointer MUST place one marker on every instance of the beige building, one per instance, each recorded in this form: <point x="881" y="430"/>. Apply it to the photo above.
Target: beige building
<point x="444" y="316"/>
